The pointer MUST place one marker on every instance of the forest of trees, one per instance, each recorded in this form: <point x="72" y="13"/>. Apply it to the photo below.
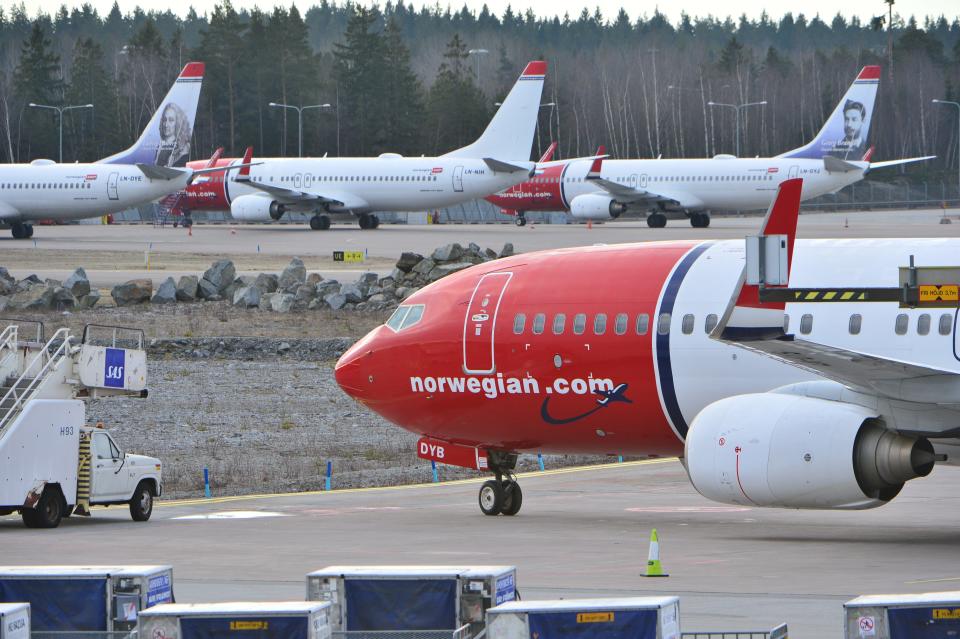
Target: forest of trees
<point x="404" y="80"/>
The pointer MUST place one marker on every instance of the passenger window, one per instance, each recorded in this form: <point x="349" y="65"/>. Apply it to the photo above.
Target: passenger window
<point x="856" y="321"/>
<point x="806" y="323"/>
<point x="901" y="325"/>
<point x="663" y="324"/>
<point x="539" y="320"/>
<point x="396" y="320"/>
<point x="710" y="323"/>
<point x="643" y="324"/>
<point x="687" y="324"/>
<point x="621" y="325"/>
<point x="519" y="322"/>
<point x="923" y="324"/>
<point x="559" y="323"/>
<point x="946" y="323"/>
<point x="600" y="324"/>
<point x="416" y="312"/>
<point x="579" y="323"/>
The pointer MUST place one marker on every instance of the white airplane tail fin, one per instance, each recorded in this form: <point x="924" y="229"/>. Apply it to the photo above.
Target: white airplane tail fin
<point x="166" y="140"/>
<point x="509" y="136"/>
<point x="846" y="132"/>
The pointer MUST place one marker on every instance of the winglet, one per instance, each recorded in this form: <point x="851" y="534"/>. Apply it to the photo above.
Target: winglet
<point x="245" y="171"/>
<point x="747" y="318"/>
<point x="594" y="172"/>
<point x="212" y="162"/>
<point x="868" y="154"/>
<point x="548" y="155"/>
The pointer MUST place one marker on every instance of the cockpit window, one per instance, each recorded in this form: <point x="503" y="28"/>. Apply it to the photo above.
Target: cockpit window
<point x="405" y="317"/>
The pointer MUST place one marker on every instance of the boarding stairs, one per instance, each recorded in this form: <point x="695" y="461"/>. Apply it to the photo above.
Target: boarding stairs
<point x="169" y="209"/>
<point x="65" y="367"/>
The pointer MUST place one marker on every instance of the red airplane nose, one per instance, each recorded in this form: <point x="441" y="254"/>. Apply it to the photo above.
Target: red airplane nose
<point x="354" y="370"/>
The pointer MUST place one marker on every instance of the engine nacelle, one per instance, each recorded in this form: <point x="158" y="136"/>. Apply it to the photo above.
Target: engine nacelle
<point x="594" y="206"/>
<point x="789" y="451"/>
<point x="256" y="208"/>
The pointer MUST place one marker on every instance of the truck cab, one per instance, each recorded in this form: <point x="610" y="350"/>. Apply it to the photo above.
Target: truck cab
<point x="121" y="478"/>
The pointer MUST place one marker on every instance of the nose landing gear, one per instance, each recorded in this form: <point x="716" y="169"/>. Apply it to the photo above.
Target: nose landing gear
<point x="521" y="219"/>
<point x="501" y="496"/>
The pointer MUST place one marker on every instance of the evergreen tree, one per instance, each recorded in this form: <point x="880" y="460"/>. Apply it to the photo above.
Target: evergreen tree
<point x="37" y="80"/>
<point x="457" y="108"/>
<point x="359" y="63"/>
<point x="402" y="94"/>
<point x="222" y="47"/>
<point x="92" y="134"/>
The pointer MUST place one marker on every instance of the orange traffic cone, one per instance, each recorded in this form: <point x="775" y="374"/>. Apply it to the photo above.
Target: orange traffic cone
<point x="589" y="224"/>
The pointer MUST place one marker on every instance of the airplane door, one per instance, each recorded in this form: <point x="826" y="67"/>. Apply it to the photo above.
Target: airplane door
<point x="458" y="179"/>
<point x="480" y="322"/>
<point x="643" y="181"/>
<point x="297" y="179"/>
<point x="112" y="186"/>
<point x="794" y="172"/>
<point x="307" y="181"/>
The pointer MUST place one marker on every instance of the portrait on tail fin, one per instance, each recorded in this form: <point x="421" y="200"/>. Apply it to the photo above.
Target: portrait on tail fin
<point x="175" y="133"/>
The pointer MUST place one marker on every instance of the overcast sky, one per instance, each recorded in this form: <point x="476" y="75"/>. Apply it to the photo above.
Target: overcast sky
<point x="826" y="8"/>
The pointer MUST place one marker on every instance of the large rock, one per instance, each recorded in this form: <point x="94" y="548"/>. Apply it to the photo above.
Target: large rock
<point x="77" y="283"/>
<point x="408" y="260"/>
<point x="235" y="286"/>
<point x="352" y="293"/>
<point x="207" y="290"/>
<point x="328" y="287"/>
<point x="7" y="287"/>
<point x="132" y="292"/>
<point x="266" y="301"/>
<point x="423" y="267"/>
<point x="5" y="276"/>
<point x="4" y="303"/>
<point x="267" y="282"/>
<point x="507" y="250"/>
<point x="448" y="253"/>
<point x="442" y="270"/>
<point x="247" y="297"/>
<point x="188" y="288"/>
<point x="403" y="292"/>
<point x="221" y="274"/>
<point x="367" y="278"/>
<point x="34" y="298"/>
<point x="30" y="281"/>
<point x="489" y="254"/>
<point x="336" y="301"/>
<point x="89" y="300"/>
<point x="281" y="302"/>
<point x="166" y="292"/>
<point x="62" y="300"/>
<point x="314" y="278"/>
<point x="293" y="276"/>
<point x="304" y="295"/>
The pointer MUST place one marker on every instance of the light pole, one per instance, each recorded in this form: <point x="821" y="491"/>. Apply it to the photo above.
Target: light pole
<point x="300" y="110"/>
<point x="478" y="53"/>
<point x="956" y="104"/>
<point x="60" y="111"/>
<point x="736" y="108"/>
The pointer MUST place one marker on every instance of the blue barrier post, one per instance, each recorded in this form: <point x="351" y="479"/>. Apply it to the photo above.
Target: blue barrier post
<point x="326" y="484"/>
<point x="619" y="459"/>
<point x="206" y="482"/>
<point x="433" y="466"/>
<point x="540" y="460"/>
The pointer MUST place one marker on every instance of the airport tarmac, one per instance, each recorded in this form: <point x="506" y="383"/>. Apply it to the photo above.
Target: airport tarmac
<point x="582" y="532"/>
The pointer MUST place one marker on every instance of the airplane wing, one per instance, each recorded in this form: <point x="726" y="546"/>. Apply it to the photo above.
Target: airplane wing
<point x="622" y="192"/>
<point x="293" y="196"/>
<point x="758" y="326"/>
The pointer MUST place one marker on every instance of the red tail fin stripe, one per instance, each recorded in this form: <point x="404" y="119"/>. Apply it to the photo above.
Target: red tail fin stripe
<point x="537" y="67"/>
<point x="193" y="70"/>
<point x="871" y="72"/>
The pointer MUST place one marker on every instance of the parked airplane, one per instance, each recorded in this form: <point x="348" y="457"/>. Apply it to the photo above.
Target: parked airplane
<point x="390" y="182"/>
<point x="837" y="157"/>
<point x="145" y="172"/>
<point x="796" y="405"/>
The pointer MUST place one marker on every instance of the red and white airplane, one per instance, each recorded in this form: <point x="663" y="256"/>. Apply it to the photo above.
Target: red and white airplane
<point x="836" y="158"/>
<point x="830" y="405"/>
<point x="360" y="186"/>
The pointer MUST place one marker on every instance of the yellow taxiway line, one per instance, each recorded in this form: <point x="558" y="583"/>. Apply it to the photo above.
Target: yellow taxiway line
<point x="473" y="480"/>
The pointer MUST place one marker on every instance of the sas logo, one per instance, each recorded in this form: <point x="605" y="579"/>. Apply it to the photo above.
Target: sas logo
<point x="114" y="363"/>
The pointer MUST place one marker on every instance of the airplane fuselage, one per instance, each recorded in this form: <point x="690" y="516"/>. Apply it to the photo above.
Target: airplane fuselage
<point x="75" y="191"/>
<point x="616" y="358"/>
<point x="707" y="184"/>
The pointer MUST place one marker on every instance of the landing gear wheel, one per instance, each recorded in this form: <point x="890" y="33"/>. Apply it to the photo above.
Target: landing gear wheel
<point x="364" y="221"/>
<point x="319" y="222"/>
<point x="520" y="221"/>
<point x="19" y="230"/>
<point x="187" y="222"/>
<point x="48" y="511"/>
<point x="29" y="230"/>
<point x="699" y="220"/>
<point x="491" y="498"/>
<point x="512" y="498"/>
<point x="141" y="505"/>
<point x="656" y="220"/>
<point x="374" y="221"/>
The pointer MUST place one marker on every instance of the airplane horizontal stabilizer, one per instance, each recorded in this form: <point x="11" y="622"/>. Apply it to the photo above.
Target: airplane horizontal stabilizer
<point x="836" y="165"/>
<point x="498" y="166"/>
<point x="157" y="172"/>
<point x="880" y="165"/>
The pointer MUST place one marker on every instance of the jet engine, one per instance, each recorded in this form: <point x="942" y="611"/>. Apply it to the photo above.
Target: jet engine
<point x="594" y="206"/>
<point x="256" y="208"/>
<point x="790" y="451"/>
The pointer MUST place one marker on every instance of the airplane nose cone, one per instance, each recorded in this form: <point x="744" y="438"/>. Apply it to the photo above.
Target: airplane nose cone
<point x="354" y="371"/>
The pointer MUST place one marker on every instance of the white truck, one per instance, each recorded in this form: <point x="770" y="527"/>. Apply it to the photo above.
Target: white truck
<point x="52" y="465"/>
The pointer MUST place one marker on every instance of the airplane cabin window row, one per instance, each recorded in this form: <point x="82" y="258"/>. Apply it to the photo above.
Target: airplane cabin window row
<point x="901" y="324"/>
<point x="558" y="324"/>
<point x="663" y="178"/>
<point x="360" y="178"/>
<point x="67" y="186"/>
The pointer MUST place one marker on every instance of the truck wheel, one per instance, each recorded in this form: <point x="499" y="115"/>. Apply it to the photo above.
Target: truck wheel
<point x="141" y="506"/>
<point x="47" y="513"/>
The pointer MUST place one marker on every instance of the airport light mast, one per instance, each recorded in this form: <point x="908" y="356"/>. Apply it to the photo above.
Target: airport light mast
<point x="956" y="104"/>
<point x="300" y="110"/>
<point x="736" y="108"/>
<point x="478" y="53"/>
<point x="60" y="111"/>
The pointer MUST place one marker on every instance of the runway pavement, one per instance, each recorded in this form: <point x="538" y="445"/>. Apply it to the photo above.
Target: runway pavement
<point x="581" y="532"/>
